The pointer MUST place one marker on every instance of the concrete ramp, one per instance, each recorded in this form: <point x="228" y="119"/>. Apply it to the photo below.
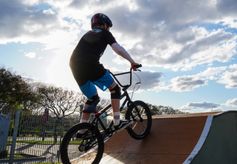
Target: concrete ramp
<point x="171" y="141"/>
<point x="219" y="143"/>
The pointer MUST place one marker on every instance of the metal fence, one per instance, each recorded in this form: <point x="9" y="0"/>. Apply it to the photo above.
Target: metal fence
<point x="35" y="139"/>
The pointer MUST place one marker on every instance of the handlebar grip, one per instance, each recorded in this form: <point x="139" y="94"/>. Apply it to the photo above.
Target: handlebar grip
<point x="138" y="66"/>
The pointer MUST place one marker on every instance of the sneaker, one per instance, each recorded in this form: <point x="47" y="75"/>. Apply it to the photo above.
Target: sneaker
<point x="122" y="124"/>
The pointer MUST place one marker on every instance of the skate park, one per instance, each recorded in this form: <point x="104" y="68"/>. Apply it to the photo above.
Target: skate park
<point x="192" y="138"/>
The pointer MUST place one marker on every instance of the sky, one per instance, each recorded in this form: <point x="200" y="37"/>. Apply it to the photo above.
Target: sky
<point x="188" y="48"/>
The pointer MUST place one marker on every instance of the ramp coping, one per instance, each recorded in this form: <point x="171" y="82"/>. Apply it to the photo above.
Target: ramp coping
<point x="200" y="141"/>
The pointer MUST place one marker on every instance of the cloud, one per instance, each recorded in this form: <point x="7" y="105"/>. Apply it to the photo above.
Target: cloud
<point x="19" y="19"/>
<point x="232" y="102"/>
<point x="149" y="80"/>
<point x="197" y="48"/>
<point x="190" y="82"/>
<point x="164" y="37"/>
<point x="227" y="6"/>
<point x="186" y="83"/>
<point x="30" y="55"/>
<point x="200" y="106"/>
<point x="171" y="35"/>
<point x="82" y="4"/>
<point x="150" y="14"/>
<point x="205" y="105"/>
<point x="229" y="77"/>
<point x="165" y="33"/>
<point x="211" y="73"/>
<point x="226" y="75"/>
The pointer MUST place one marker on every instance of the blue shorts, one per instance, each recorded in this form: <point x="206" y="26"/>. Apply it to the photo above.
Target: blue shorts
<point x="104" y="82"/>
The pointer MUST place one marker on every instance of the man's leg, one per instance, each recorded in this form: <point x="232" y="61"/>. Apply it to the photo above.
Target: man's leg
<point x="107" y="81"/>
<point x="89" y="90"/>
<point x="90" y="107"/>
<point x="84" y="117"/>
<point x="116" y="113"/>
<point x="115" y="101"/>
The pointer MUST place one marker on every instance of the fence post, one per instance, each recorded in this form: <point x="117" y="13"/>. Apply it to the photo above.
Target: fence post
<point x="4" y="128"/>
<point x="14" y="136"/>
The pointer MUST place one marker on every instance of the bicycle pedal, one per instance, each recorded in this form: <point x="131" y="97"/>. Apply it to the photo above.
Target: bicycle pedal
<point x="119" y="128"/>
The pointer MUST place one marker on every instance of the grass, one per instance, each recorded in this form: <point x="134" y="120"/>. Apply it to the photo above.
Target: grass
<point x="16" y="156"/>
<point x="37" y="142"/>
<point x="48" y="163"/>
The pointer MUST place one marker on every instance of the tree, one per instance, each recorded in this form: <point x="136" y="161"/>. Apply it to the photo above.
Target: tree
<point x="60" y="103"/>
<point x="159" y="110"/>
<point x="15" y="92"/>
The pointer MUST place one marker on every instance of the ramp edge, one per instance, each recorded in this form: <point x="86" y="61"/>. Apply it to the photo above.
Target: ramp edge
<point x="201" y="140"/>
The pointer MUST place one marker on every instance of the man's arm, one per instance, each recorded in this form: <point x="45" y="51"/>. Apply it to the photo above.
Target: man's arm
<point x="122" y="52"/>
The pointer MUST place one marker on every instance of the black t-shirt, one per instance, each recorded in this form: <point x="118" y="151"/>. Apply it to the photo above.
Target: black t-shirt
<point x="85" y="58"/>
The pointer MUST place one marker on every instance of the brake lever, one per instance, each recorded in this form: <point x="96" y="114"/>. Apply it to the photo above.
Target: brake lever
<point x="138" y="70"/>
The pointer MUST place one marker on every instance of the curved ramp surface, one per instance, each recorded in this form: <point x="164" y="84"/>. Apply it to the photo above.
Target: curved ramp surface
<point x="170" y="142"/>
<point x="220" y="146"/>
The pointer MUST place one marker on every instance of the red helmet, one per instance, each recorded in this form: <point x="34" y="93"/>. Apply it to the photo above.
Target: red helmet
<point x="100" y="19"/>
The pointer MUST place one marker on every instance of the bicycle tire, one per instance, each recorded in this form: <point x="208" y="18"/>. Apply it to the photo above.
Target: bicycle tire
<point x="140" y="114"/>
<point x="70" y="136"/>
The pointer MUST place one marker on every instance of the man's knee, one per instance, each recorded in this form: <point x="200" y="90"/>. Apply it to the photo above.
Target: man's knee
<point x="91" y="104"/>
<point x="115" y="92"/>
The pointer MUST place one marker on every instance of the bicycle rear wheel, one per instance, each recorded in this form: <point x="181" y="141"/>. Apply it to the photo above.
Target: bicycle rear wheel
<point x="140" y="114"/>
<point x="84" y="147"/>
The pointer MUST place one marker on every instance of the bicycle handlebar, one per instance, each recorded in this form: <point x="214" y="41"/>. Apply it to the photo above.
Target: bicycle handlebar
<point x="122" y="73"/>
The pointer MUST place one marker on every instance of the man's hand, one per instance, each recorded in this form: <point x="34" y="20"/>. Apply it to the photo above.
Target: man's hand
<point x="135" y="66"/>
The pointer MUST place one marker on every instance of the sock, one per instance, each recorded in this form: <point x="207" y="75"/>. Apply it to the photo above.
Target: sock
<point x="82" y="120"/>
<point x="116" y="118"/>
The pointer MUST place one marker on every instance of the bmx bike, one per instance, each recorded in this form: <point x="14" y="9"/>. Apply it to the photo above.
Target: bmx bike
<point x="89" y="146"/>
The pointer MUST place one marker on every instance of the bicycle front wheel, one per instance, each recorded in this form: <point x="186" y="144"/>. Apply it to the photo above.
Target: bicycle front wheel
<point x="82" y="143"/>
<point x="139" y="113"/>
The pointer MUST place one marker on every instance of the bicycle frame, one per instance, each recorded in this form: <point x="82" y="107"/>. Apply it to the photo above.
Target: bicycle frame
<point x="97" y="120"/>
